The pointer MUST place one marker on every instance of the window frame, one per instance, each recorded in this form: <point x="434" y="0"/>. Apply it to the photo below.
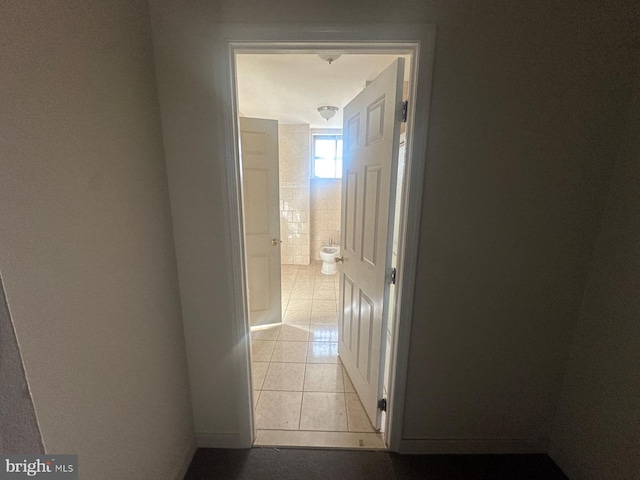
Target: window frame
<point x="336" y="133"/>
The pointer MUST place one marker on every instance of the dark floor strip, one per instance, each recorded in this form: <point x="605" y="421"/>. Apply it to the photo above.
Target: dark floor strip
<point x="312" y="464"/>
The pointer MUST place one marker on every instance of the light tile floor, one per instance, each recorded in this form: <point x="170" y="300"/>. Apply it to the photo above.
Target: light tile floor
<point x="302" y="393"/>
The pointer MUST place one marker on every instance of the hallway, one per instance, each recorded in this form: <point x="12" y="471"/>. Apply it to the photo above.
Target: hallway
<point x="302" y="393"/>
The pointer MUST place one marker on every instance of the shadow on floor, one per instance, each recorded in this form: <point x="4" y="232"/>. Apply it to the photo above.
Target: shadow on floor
<point x="312" y="464"/>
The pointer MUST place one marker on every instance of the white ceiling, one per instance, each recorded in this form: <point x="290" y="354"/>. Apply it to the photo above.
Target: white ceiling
<point x="289" y="87"/>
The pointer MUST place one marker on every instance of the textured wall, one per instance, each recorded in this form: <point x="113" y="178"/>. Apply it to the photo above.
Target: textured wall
<point x="525" y="108"/>
<point x="87" y="254"/>
<point x="596" y="435"/>
<point x="18" y="423"/>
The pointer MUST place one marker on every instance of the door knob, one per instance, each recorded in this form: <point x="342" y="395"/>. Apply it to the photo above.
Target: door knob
<point x="339" y="259"/>
<point x="275" y="242"/>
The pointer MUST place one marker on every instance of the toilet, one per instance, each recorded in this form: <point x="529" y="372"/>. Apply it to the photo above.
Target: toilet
<point x="328" y="256"/>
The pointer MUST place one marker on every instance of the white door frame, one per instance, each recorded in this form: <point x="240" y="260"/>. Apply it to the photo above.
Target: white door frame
<point x="418" y="40"/>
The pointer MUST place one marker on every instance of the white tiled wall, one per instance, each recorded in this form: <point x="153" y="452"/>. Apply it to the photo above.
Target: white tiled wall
<point x="325" y="213"/>
<point x="294" y="193"/>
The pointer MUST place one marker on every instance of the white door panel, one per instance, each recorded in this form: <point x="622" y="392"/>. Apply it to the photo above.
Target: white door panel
<point x="259" y="152"/>
<point x="371" y="142"/>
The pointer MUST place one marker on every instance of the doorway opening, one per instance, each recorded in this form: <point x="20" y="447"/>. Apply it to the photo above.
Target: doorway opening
<point x="299" y="214"/>
<point x="416" y="40"/>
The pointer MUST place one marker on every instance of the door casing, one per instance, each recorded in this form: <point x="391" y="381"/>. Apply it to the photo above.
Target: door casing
<point x="416" y="40"/>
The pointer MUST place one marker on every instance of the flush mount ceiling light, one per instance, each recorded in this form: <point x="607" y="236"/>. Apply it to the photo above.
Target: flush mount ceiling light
<point x="327" y="112"/>
<point x="329" y="57"/>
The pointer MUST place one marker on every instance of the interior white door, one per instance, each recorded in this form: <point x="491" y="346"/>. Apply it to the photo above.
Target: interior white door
<point x="371" y="132"/>
<point x="259" y="153"/>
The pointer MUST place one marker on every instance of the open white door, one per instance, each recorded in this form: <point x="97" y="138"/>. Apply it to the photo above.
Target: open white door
<point x="371" y="132"/>
<point x="259" y="153"/>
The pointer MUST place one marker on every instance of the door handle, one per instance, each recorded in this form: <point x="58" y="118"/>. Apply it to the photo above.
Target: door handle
<point x="275" y="242"/>
<point x="339" y="259"/>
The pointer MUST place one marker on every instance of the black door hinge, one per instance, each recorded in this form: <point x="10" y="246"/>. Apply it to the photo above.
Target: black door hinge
<point x="382" y="404"/>
<point x="405" y="108"/>
<point x="392" y="276"/>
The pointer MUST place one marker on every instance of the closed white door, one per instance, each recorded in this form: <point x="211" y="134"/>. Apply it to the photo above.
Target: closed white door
<point x="371" y="132"/>
<point x="259" y="153"/>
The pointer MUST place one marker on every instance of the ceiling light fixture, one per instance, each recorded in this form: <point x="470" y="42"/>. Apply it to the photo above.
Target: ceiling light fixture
<point x="327" y="112"/>
<point x="329" y="57"/>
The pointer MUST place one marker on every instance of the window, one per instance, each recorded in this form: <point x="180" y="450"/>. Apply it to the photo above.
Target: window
<point x="326" y="156"/>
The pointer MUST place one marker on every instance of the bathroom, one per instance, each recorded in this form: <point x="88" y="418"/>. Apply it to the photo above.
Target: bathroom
<point x="302" y="393"/>
<point x="292" y="88"/>
<point x="310" y="161"/>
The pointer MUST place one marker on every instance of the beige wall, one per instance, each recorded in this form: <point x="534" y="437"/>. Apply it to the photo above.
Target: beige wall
<point x="596" y="435"/>
<point x="325" y="213"/>
<point x="293" y="144"/>
<point x="525" y="109"/>
<point x="87" y="255"/>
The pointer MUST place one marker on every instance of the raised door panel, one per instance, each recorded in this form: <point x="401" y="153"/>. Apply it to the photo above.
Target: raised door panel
<point x="371" y="215"/>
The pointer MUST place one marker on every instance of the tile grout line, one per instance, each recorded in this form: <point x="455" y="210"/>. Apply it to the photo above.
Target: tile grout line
<point x="344" y="388"/>
<point x="303" y="375"/>
<point x="304" y="378"/>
